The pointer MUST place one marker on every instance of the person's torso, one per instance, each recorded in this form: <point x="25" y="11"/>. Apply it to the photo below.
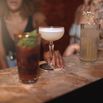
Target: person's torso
<point x="8" y="42"/>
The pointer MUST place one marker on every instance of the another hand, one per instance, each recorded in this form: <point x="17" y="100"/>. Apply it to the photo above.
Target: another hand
<point x="71" y="49"/>
<point x="57" y="59"/>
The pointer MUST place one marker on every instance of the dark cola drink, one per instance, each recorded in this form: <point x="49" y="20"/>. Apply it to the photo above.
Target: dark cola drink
<point x="27" y="61"/>
<point x="27" y="54"/>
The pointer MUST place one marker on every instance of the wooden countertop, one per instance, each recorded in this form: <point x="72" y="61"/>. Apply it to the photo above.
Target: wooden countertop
<point x="51" y="84"/>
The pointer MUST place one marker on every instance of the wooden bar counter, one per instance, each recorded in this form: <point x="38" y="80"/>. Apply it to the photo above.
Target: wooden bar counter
<point x="51" y="84"/>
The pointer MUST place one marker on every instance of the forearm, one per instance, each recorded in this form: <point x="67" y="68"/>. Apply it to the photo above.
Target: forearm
<point x="3" y="63"/>
<point x="71" y="49"/>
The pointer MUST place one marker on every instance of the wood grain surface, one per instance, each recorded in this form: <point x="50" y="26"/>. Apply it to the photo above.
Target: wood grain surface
<point x="50" y="84"/>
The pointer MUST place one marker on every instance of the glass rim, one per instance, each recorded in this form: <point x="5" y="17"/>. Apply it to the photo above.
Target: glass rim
<point x="51" y="28"/>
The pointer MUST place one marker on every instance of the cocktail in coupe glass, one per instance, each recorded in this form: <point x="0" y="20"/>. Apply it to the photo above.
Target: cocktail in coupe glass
<point x="51" y="34"/>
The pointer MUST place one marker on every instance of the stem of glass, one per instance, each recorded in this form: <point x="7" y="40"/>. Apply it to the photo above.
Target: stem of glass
<point x="51" y="51"/>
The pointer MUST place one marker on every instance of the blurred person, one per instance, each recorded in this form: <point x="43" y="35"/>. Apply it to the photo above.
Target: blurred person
<point x="20" y="16"/>
<point x="99" y="9"/>
<point x="1" y="7"/>
<point x="85" y="14"/>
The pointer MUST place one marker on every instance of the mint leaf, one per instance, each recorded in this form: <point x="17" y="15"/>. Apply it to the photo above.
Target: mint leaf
<point x="29" y="40"/>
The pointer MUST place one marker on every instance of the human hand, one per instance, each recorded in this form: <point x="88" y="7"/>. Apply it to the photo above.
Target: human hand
<point x="57" y="60"/>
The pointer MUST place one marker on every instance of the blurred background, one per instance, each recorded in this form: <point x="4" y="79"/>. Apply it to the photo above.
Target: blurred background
<point x="58" y="13"/>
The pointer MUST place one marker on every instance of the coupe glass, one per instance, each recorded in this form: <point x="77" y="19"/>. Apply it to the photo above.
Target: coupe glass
<point x="51" y="34"/>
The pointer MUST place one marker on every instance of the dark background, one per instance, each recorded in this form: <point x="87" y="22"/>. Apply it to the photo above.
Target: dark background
<point x="91" y="93"/>
<point x="58" y="13"/>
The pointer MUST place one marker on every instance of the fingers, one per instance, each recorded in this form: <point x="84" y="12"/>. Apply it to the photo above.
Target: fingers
<point x="57" y="60"/>
<point x="47" y="57"/>
<point x="61" y="61"/>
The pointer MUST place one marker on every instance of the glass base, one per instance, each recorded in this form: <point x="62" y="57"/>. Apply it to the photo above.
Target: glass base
<point x="46" y="66"/>
<point x="88" y="60"/>
<point x="29" y="81"/>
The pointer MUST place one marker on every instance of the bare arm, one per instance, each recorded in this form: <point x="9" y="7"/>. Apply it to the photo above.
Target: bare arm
<point x="78" y="14"/>
<point x="39" y="19"/>
<point x="3" y="63"/>
<point x="71" y="49"/>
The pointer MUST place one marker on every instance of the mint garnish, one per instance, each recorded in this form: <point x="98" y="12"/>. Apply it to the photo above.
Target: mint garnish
<point x="29" y="39"/>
